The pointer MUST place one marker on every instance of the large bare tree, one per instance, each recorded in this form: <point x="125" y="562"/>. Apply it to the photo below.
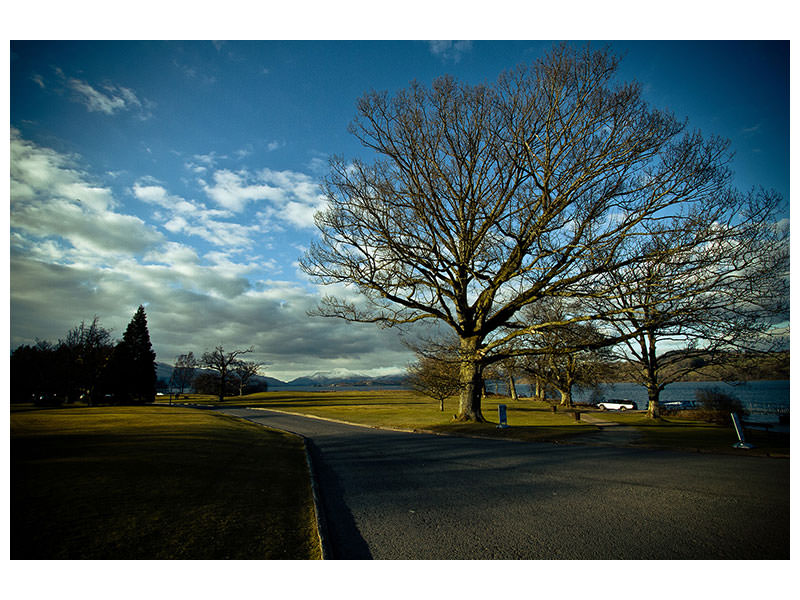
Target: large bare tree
<point x="485" y="199"/>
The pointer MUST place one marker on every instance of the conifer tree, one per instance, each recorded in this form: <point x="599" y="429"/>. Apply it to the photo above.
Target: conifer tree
<point x="138" y="377"/>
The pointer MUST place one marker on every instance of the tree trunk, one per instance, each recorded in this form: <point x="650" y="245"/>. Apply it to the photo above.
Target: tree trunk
<point x="653" y="392"/>
<point x="222" y="386"/>
<point x="512" y="389"/>
<point x="471" y="379"/>
<point x="441" y="404"/>
<point x="566" y="398"/>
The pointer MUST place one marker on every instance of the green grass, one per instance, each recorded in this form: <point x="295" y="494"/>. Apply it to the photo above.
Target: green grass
<point x="156" y="483"/>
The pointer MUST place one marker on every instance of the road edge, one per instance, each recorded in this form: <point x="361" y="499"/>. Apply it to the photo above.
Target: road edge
<point x="319" y="515"/>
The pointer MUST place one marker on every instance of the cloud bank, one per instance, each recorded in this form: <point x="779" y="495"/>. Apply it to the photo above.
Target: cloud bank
<point x="77" y="251"/>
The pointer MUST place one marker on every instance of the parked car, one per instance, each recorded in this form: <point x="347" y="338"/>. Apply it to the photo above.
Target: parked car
<point x="620" y="405"/>
<point x="678" y="404"/>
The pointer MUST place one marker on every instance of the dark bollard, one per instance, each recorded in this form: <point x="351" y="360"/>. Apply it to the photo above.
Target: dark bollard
<point x="577" y="415"/>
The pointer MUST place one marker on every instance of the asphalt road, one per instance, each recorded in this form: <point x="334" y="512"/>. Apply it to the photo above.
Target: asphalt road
<point x="394" y="495"/>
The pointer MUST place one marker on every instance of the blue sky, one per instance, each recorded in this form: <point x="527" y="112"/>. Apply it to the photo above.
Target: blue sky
<point x="183" y="175"/>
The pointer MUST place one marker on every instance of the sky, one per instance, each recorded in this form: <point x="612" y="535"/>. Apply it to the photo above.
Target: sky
<point x="184" y="176"/>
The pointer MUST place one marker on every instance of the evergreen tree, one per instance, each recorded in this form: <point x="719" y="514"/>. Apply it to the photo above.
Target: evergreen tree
<point x="137" y="379"/>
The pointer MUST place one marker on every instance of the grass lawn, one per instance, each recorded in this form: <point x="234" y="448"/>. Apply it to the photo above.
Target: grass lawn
<point x="156" y="483"/>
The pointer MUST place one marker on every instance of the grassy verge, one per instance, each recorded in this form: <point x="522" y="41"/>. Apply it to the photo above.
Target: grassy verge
<point x="156" y="483"/>
<point x="699" y="436"/>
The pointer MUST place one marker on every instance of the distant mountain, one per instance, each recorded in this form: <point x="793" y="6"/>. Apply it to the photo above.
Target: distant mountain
<point x="333" y="380"/>
<point x="319" y="379"/>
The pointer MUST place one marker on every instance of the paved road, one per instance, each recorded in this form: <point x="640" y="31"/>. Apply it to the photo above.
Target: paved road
<point x="394" y="495"/>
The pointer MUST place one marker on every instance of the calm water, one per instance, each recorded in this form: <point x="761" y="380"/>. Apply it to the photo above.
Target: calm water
<point x="764" y="399"/>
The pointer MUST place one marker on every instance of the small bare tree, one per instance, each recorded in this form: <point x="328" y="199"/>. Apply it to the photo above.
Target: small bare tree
<point x="87" y="348"/>
<point x="222" y="362"/>
<point x="565" y="364"/>
<point x="183" y="372"/>
<point x="435" y="378"/>
<point x="244" y="371"/>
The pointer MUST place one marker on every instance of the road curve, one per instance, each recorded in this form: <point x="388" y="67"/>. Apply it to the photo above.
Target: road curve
<point x="395" y="495"/>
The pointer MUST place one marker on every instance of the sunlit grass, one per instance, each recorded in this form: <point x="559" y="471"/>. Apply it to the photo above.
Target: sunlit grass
<point x="156" y="482"/>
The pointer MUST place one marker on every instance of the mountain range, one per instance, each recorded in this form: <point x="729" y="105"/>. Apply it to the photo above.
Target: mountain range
<point x="320" y="379"/>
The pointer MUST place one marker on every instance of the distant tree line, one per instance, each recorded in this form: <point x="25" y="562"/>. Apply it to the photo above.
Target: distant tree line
<point x="87" y="365"/>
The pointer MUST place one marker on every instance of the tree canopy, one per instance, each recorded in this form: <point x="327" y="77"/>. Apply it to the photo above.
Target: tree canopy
<point x="485" y="199"/>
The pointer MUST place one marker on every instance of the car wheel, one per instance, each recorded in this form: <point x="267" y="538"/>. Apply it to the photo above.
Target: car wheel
<point x="622" y="409"/>
<point x="602" y="407"/>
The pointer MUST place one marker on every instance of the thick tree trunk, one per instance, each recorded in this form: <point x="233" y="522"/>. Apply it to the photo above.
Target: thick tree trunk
<point x="566" y="398"/>
<point x="471" y="378"/>
<point x="653" y="390"/>
<point x="222" y="386"/>
<point x="653" y="393"/>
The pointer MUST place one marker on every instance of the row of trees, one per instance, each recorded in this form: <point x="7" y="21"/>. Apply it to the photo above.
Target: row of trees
<point x="230" y="373"/>
<point x="550" y="215"/>
<point x="87" y="365"/>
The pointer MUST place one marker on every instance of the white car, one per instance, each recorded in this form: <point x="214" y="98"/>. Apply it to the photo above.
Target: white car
<point x="620" y="405"/>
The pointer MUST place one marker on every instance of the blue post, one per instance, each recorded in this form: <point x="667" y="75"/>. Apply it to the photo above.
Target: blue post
<point x="501" y="413"/>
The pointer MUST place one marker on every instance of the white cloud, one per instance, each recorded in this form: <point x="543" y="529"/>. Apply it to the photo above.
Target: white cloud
<point x="449" y="50"/>
<point x="112" y="99"/>
<point x="234" y="191"/>
<point x="51" y="197"/>
<point x="194" y="218"/>
<point x="282" y="197"/>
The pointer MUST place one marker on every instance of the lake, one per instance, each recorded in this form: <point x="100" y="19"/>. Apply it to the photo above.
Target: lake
<point x="765" y="400"/>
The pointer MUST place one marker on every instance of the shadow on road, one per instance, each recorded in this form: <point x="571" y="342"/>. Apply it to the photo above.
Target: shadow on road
<point x="339" y="525"/>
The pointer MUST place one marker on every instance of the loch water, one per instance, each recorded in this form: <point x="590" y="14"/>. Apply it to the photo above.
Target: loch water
<point x="766" y="401"/>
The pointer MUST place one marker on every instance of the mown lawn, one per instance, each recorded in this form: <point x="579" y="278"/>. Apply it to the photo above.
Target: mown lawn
<point x="156" y="483"/>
